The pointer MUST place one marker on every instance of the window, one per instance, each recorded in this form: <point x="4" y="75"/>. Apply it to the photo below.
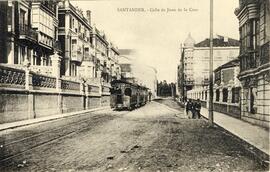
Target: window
<point x="61" y="18"/>
<point x="203" y="95"/>
<point x="73" y="70"/>
<point x="217" y="95"/>
<point x="252" y="96"/>
<point x="22" y="18"/>
<point x="236" y="94"/>
<point x="128" y="92"/>
<point x="225" y="94"/>
<point x="262" y="23"/>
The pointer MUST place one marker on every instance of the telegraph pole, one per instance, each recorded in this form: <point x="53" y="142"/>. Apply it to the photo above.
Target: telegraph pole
<point x="210" y="109"/>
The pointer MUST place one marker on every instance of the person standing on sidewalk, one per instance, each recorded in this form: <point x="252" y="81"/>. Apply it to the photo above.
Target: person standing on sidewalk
<point x="189" y="107"/>
<point x="197" y="108"/>
<point x="150" y="95"/>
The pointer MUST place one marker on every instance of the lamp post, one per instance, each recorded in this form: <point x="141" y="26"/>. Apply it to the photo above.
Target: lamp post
<point x="210" y="109"/>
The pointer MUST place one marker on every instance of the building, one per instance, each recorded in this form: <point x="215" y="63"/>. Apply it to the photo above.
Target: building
<point x="115" y="68"/>
<point x="227" y="90"/>
<point x="28" y="31"/>
<point x="87" y="52"/>
<point x="194" y="61"/>
<point x="74" y="35"/>
<point x="254" y="27"/>
<point x="185" y="80"/>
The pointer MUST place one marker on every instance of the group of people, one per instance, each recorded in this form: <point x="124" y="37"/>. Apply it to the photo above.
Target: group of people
<point x="193" y="108"/>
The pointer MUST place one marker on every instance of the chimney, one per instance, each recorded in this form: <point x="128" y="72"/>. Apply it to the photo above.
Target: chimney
<point x="88" y="16"/>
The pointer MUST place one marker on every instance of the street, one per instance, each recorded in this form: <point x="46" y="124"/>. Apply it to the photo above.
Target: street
<point x="155" y="137"/>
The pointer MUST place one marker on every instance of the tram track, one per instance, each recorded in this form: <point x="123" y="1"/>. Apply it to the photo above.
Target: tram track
<point x="18" y="147"/>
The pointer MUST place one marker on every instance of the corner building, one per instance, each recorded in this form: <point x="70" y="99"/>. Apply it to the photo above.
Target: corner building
<point x="254" y="27"/>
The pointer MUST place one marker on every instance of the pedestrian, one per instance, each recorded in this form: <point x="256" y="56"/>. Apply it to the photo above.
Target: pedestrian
<point x="189" y="107"/>
<point x="197" y="108"/>
<point x="150" y="95"/>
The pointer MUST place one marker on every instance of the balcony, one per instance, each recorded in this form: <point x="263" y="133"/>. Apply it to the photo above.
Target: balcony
<point x="265" y="53"/>
<point x="77" y="56"/>
<point x="76" y="53"/>
<point x="26" y="32"/>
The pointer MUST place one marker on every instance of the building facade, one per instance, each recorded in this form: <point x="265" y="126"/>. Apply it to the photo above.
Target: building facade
<point x="115" y="69"/>
<point x="29" y="34"/>
<point x="86" y="51"/>
<point x="74" y="35"/>
<point x="254" y="27"/>
<point x="227" y="90"/>
<point x="194" y="62"/>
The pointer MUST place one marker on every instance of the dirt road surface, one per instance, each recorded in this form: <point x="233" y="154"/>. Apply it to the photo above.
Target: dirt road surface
<point x="157" y="137"/>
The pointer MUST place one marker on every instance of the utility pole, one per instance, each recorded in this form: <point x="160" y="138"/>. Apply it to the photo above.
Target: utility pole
<point x="210" y="109"/>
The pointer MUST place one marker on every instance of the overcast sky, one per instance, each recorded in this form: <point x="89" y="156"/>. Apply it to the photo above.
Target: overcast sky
<point x="156" y="36"/>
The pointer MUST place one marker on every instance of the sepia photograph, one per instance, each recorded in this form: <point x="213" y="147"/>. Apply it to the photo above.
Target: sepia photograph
<point x="134" y="86"/>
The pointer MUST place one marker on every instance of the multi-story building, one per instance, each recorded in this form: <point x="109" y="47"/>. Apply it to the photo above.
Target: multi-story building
<point x="87" y="52"/>
<point x="254" y="27"/>
<point x="28" y="32"/>
<point x="185" y="69"/>
<point x="74" y="35"/>
<point x="101" y="45"/>
<point x="195" y="60"/>
<point x="115" y="69"/>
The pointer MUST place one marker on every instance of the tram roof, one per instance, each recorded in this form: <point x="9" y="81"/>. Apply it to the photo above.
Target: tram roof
<point x="126" y="82"/>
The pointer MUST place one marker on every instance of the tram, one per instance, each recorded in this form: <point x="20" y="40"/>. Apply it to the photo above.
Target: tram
<point x="126" y="95"/>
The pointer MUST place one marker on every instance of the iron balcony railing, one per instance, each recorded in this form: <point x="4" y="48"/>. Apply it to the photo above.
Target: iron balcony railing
<point x="27" y="32"/>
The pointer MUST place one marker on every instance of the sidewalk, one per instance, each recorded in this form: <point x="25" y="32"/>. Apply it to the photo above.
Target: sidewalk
<point x="254" y="135"/>
<point x="11" y="125"/>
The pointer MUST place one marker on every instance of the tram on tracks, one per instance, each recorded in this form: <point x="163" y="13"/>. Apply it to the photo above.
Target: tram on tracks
<point x="126" y="95"/>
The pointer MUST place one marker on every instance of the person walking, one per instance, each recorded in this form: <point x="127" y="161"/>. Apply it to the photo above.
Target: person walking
<point x="150" y="95"/>
<point x="189" y="107"/>
<point x="197" y="108"/>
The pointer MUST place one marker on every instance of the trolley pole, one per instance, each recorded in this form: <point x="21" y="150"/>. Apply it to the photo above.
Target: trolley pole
<point x="210" y="109"/>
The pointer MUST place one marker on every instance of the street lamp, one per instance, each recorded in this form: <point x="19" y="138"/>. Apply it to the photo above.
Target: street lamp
<point x="210" y="109"/>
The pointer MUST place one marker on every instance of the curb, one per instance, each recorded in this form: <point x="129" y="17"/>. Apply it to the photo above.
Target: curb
<point x="17" y="124"/>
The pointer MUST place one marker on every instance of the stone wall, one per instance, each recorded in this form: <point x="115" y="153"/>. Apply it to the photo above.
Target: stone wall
<point x="72" y="103"/>
<point x="105" y="100"/>
<point x="27" y="95"/>
<point x="17" y="106"/>
<point x="94" y="102"/>
<point x="260" y="115"/>
<point x="13" y="106"/>
<point x="44" y="104"/>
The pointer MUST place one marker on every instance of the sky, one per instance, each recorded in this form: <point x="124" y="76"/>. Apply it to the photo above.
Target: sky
<point x="155" y="35"/>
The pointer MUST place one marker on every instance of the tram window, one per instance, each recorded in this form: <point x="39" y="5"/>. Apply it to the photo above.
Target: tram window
<point x="116" y="91"/>
<point x="128" y="92"/>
